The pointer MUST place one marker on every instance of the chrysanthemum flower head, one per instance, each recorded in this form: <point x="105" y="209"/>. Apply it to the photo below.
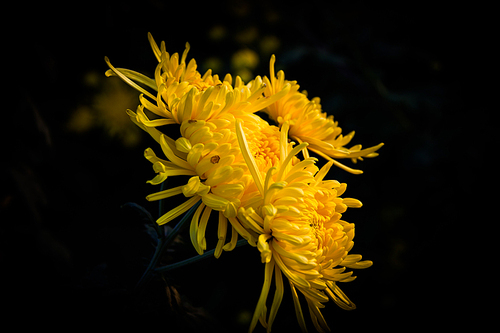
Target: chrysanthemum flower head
<point x="207" y="150"/>
<point x="308" y="123"/>
<point x="297" y="217"/>
<point x="212" y="159"/>
<point x="248" y="173"/>
<point x="182" y="93"/>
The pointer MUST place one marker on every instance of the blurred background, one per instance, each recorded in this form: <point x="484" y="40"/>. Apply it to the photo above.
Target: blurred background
<point x="72" y="249"/>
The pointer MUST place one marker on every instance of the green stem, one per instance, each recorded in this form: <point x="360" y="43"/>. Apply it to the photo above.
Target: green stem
<point x="193" y="259"/>
<point x="163" y="242"/>
<point x="161" y="210"/>
<point x="181" y="223"/>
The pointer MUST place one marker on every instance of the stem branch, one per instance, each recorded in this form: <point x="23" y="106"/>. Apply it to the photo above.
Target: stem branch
<point x="163" y="242"/>
<point x="209" y="253"/>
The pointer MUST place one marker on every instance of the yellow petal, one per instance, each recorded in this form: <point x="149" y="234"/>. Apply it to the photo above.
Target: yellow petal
<point x="165" y="194"/>
<point x="126" y="79"/>
<point x="263" y="247"/>
<point x="193" y="229"/>
<point x="228" y="190"/>
<point x="317" y="317"/>
<point x="247" y="156"/>
<point x="221" y="235"/>
<point x="338" y="296"/>
<point x="154" y="46"/>
<point x="295" y="278"/>
<point x="261" y="304"/>
<point x="170" y="154"/>
<point x="289" y="254"/>
<point x="234" y="239"/>
<point x="177" y="211"/>
<point x="285" y="166"/>
<point x="242" y="231"/>
<point x="278" y="296"/>
<point x="200" y="236"/>
<point x="183" y="145"/>
<point x="298" y="309"/>
<point x="160" y="178"/>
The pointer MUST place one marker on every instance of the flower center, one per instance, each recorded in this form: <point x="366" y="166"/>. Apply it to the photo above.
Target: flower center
<point x="265" y="148"/>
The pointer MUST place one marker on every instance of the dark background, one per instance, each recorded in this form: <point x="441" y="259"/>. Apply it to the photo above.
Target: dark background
<point x="402" y="74"/>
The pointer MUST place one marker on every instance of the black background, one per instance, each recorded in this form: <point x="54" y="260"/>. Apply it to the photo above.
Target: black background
<point x="411" y="75"/>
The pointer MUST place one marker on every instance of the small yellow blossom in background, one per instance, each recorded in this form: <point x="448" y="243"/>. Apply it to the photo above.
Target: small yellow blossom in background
<point x="214" y="63"/>
<point x="247" y="36"/>
<point x="82" y="120"/>
<point x="106" y="111"/>
<point x="243" y="62"/>
<point x="269" y="44"/>
<point x="255" y="178"/>
<point x="217" y="32"/>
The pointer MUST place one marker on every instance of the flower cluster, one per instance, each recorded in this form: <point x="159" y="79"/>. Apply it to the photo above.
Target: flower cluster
<point x="257" y="180"/>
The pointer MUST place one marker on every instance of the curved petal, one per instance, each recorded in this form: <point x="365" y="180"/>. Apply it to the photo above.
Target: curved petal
<point x="261" y="304"/>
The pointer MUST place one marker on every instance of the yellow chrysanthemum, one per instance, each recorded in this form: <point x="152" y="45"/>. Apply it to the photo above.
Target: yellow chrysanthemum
<point x="248" y="172"/>
<point x="209" y="152"/>
<point x="297" y="217"/>
<point x="308" y="123"/>
<point x="182" y="93"/>
<point x="210" y="156"/>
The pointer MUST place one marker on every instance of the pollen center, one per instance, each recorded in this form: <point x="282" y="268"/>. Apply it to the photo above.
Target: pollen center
<point x="265" y="148"/>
